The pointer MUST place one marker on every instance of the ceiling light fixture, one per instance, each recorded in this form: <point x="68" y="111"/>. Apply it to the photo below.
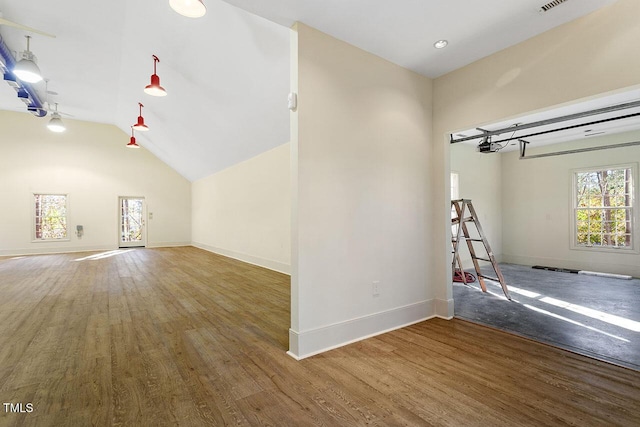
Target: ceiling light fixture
<point x="154" y="88"/>
<point x="132" y="142"/>
<point x="189" y="8"/>
<point x="26" y="69"/>
<point x="56" y="124"/>
<point x="441" y="44"/>
<point x="140" y="126"/>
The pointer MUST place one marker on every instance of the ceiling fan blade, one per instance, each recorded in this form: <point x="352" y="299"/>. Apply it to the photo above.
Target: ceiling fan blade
<point x="24" y="27"/>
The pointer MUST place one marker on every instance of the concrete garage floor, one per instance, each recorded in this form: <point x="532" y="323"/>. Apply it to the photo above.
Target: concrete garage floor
<point x="594" y="316"/>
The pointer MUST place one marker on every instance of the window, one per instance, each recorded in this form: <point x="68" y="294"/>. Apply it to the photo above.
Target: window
<point x="455" y="186"/>
<point x="455" y="195"/>
<point x="50" y="216"/>
<point x="604" y="207"/>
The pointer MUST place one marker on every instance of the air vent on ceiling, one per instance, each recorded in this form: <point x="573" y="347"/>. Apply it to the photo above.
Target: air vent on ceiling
<point x="547" y="7"/>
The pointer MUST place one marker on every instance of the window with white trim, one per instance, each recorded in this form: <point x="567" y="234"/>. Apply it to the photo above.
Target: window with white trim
<point x="455" y="186"/>
<point x="455" y="195"/>
<point x="50" y="216"/>
<point x="604" y="207"/>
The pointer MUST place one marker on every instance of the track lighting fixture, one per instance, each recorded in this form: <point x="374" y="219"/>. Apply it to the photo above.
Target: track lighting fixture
<point x="132" y="142"/>
<point x="154" y="88"/>
<point x="56" y="124"/>
<point x="26" y="69"/>
<point x="189" y="8"/>
<point x="140" y="126"/>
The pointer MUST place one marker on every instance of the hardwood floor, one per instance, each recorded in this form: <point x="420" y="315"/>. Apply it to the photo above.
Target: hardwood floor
<point x="180" y="336"/>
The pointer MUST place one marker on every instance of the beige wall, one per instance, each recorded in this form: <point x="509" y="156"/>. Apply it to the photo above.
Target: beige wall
<point x="537" y="214"/>
<point x="91" y="164"/>
<point x="480" y="179"/>
<point x="580" y="59"/>
<point x="361" y="138"/>
<point x="244" y="211"/>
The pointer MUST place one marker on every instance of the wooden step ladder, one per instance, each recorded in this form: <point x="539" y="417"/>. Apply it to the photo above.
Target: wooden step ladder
<point x="465" y="207"/>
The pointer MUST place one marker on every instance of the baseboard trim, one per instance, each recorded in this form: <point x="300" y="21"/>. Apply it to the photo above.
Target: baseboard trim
<point x="444" y="308"/>
<point x="62" y="250"/>
<point x="280" y="267"/>
<point x="631" y="270"/>
<point x="315" y="341"/>
<point x="168" y="244"/>
<point x="54" y="250"/>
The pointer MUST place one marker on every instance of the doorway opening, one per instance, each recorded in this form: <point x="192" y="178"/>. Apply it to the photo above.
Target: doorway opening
<point x="528" y="185"/>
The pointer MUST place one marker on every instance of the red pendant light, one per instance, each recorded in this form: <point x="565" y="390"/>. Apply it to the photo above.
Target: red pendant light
<point x="154" y="88"/>
<point x="132" y="142"/>
<point x="140" y="126"/>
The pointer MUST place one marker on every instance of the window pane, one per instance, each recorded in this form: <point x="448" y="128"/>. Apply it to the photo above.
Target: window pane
<point x="50" y="216"/>
<point x="455" y="186"/>
<point x="618" y="201"/>
<point x="603" y="209"/>
<point x="131" y="211"/>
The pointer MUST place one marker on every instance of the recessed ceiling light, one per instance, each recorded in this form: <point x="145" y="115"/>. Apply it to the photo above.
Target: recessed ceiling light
<point x="189" y="8"/>
<point x="440" y="44"/>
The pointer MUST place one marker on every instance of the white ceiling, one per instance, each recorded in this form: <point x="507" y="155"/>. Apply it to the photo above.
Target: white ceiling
<point x="227" y="73"/>
<point x="403" y="31"/>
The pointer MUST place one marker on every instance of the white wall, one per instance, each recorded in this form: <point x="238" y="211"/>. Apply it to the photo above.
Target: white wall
<point x="91" y="164"/>
<point x="361" y="138"/>
<point x="583" y="58"/>
<point x="537" y="206"/>
<point x="244" y="212"/>
<point x="480" y="179"/>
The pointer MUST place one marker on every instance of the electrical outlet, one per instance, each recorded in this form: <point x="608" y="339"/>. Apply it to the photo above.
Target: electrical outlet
<point x="375" y="288"/>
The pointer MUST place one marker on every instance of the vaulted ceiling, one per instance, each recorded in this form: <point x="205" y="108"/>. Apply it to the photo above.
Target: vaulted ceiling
<point x="227" y="73"/>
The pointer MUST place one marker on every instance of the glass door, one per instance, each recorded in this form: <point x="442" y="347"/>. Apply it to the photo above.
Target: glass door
<point x="132" y="222"/>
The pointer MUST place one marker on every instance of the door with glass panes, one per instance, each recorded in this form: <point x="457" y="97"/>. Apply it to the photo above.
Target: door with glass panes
<point x="132" y="228"/>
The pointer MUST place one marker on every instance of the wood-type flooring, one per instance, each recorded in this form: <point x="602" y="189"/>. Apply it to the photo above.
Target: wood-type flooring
<point x="181" y="336"/>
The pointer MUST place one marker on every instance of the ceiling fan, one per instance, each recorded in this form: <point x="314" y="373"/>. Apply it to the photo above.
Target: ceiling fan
<point x="47" y="108"/>
<point x="47" y="104"/>
<point x="8" y="23"/>
<point x="51" y="110"/>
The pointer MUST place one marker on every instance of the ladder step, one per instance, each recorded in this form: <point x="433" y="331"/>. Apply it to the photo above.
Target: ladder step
<point x="457" y="220"/>
<point x="482" y="259"/>
<point x="475" y="240"/>
<point x="489" y="277"/>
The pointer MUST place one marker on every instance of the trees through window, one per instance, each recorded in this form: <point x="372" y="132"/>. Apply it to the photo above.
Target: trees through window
<point x="50" y="216"/>
<point x="604" y="207"/>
